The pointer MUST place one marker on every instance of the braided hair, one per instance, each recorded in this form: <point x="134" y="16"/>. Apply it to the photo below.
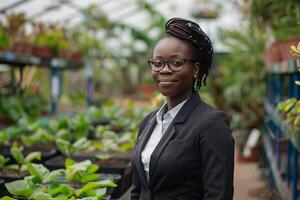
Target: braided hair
<point x="202" y="49"/>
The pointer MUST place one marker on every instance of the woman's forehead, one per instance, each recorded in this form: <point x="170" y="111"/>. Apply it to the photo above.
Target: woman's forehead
<point x="172" y="45"/>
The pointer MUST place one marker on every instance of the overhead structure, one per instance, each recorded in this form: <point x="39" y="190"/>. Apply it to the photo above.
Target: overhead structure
<point x="71" y="12"/>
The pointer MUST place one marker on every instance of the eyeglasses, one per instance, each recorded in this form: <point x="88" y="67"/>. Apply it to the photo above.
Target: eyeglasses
<point x="175" y="64"/>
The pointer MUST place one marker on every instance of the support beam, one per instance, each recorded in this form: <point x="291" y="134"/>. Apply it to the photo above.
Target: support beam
<point x="17" y="3"/>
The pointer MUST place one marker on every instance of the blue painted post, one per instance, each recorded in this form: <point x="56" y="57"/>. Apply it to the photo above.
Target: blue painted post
<point x="279" y="133"/>
<point x="294" y="149"/>
<point x="90" y="82"/>
<point x="55" y="87"/>
<point x="289" y="144"/>
<point x="273" y="88"/>
<point x="267" y="83"/>
<point x="288" y="163"/>
<point x="295" y="172"/>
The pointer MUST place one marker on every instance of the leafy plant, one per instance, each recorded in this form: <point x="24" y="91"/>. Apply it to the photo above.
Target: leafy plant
<point x="68" y="148"/>
<point x="41" y="135"/>
<point x="54" y="38"/>
<point x="27" y="105"/>
<point x="43" y="184"/>
<point x="290" y="108"/>
<point x="4" y="39"/>
<point x="281" y="16"/>
<point x="21" y="160"/>
<point x="81" y="172"/>
<point x="242" y="82"/>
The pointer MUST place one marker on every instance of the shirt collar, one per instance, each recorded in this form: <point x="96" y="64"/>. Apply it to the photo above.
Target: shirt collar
<point x="173" y="112"/>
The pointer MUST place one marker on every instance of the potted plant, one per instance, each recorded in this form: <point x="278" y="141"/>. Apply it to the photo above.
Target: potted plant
<point x="45" y="184"/>
<point x="18" y="170"/>
<point x="284" y="48"/>
<point x="272" y="55"/>
<point x="5" y="41"/>
<point x="54" y="38"/>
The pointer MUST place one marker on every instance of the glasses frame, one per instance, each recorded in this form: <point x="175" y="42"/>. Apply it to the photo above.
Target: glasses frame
<point x="168" y="64"/>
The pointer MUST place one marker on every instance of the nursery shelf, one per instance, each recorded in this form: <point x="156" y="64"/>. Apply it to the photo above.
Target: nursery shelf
<point x="285" y="67"/>
<point x="21" y="59"/>
<point x="281" y="186"/>
<point x="293" y="135"/>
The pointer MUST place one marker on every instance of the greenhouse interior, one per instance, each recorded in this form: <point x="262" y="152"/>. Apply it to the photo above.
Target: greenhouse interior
<point x="78" y="78"/>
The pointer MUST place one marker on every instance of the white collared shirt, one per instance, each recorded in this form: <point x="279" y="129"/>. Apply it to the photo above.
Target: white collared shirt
<point x="163" y="122"/>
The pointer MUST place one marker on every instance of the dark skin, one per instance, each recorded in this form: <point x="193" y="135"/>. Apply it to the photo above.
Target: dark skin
<point x="176" y="86"/>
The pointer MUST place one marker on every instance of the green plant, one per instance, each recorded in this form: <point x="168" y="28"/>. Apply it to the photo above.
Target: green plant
<point x="241" y="75"/>
<point x="41" y="135"/>
<point x="290" y="108"/>
<point x="43" y="184"/>
<point x="29" y="105"/>
<point x="4" y="39"/>
<point x="54" y="38"/>
<point x="281" y="16"/>
<point x="81" y="172"/>
<point x="14" y="27"/>
<point x="21" y="161"/>
<point x="68" y="148"/>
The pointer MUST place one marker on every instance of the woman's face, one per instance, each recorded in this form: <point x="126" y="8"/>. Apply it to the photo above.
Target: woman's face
<point x="178" y="84"/>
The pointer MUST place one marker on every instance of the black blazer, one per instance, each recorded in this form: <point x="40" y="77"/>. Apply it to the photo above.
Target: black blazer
<point x="194" y="160"/>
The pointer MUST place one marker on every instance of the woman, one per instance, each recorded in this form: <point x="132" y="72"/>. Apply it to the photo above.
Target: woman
<point x="184" y="149"/>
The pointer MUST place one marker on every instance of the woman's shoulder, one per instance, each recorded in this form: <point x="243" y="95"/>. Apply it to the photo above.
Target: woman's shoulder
<point x="211" y="113"/>
<point x="145" y="120"/>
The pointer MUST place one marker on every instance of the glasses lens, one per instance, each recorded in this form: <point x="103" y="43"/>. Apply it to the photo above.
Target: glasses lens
<point x="156" y="65"/>
<point x="176" y="64"/>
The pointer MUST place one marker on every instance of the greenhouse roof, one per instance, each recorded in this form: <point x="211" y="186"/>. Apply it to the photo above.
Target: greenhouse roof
<point x="70" y="12"/>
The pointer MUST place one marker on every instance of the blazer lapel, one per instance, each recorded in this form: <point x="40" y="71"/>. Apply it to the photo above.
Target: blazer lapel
<point x="159" y="149"/>
<point x="140" y="146"/>
<point x="171" y="131"/>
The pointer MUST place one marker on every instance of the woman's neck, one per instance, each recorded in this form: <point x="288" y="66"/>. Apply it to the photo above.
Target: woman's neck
<point x="175" y="100"/>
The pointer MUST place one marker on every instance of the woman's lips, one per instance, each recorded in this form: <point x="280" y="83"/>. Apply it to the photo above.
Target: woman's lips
<point x="165" y="83"/>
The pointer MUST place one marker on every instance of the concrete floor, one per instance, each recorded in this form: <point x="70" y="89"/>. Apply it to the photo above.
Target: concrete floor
<point x="247" y="181"/>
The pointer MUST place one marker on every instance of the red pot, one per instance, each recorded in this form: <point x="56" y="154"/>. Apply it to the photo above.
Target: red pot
<point x="42" y="51"/>
<point x="272" y="55"/>
<point x="22" y="47"/>
<point x="285" y="50"/>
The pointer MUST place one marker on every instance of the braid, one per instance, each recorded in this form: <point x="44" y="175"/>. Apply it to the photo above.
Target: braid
<point x="201" y="45"/>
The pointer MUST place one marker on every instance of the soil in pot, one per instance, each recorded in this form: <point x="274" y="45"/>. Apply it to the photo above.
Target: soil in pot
<point x="48" y="150"/>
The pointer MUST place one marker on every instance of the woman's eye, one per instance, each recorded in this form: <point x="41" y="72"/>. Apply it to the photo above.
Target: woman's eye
<point x="177" y="63"/>
<point x="157" y="63"/>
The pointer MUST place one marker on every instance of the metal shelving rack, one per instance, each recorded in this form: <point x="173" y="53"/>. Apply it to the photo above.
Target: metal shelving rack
<point x="281" y="142"/>
<point x="56" y="65"/>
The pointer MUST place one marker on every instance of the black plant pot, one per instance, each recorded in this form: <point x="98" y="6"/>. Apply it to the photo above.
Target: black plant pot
<point x="10" y="175"/>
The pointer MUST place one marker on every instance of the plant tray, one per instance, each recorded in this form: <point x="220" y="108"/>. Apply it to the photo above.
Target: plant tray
<point x="3" y="190"/>
<point x="10" y="175"/>
<point x="110" y="166"/>
<point x="48" y="150"/>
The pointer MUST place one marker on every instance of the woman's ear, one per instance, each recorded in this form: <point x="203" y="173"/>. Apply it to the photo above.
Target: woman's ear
<point x="196" y="68"/>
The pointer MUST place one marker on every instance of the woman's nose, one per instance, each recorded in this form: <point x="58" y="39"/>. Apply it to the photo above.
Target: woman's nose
<point x="166" y="68"/>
